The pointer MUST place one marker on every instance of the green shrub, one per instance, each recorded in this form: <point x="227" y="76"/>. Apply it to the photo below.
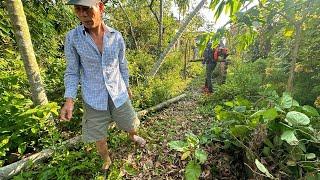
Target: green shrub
<point x="275" y="129"/>
<point x="243" y="78"/>
<point x="22" y="125"/>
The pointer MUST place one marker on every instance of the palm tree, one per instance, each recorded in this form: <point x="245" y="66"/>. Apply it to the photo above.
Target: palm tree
<point x="183" y="6"/>
<point x="21" y="31"/>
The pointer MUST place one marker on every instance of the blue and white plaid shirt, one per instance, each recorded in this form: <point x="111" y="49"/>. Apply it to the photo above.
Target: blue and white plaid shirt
<point x="100" y="75"/>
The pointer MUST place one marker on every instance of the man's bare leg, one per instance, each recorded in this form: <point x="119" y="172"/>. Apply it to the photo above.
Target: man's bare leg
<point x="137" y="139"/>
<point x="103" y="151"/>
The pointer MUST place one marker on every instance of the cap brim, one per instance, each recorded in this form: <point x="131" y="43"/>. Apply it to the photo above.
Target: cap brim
<point x="82" y="3"/>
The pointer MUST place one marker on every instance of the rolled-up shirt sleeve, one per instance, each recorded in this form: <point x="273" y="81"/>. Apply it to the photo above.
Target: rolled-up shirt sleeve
<point x="123" y="63"/>
<point x="72" y="73"/>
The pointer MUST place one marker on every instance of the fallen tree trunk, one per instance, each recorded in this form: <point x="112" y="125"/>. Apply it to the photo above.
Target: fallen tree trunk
<point x="10" y="170"/>
<point x="198" y="60"/>
<point x="14" y="168"/>
<point x="160" y="106"/>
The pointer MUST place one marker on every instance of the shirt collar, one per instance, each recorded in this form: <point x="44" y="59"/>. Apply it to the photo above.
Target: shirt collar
<point x="110" y="30"/>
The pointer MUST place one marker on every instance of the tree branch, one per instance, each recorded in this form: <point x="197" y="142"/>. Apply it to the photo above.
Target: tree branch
<point x="153" y="12"/>
<point x="280" y="13"/>
<point x="130" y="25"/>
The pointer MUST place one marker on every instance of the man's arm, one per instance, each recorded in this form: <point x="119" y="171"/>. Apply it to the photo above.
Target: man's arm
<point x="123" y="65"/>
<point x="71" y="78"/>
<point x="205" y="55"/>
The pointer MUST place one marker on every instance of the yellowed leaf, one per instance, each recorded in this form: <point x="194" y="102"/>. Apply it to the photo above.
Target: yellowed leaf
<point x="288" y="33"/>
<point x="185" y="155"/>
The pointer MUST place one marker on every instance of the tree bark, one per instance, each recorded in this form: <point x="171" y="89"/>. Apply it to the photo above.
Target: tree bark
<point x="21" y="31"/>
<point x="160" y="26"/>
<point x="185" y="60"/>
<point x="161" y="105"/>
<point x="295" y="51"/>
<point x="175" y="38"/>
<point x="153" y="12"/>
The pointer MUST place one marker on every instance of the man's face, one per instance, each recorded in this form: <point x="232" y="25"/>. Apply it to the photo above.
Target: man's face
<point x="89" y="16"/>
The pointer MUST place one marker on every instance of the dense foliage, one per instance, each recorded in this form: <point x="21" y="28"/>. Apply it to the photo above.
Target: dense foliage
<point x="272" y="127"/>
<point x="278" y="135"/>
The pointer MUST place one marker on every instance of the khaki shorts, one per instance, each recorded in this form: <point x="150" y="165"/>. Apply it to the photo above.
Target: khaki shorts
<point x="96" y="122"/>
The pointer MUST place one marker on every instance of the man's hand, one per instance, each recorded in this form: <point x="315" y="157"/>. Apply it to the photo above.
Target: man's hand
<point x="129" y="92"/>
<point x="66" y="110"/>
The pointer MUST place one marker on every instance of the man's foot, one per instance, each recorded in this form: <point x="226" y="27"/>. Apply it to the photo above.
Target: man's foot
<point x="139" y="140"/>
<point x="106" y="164"/>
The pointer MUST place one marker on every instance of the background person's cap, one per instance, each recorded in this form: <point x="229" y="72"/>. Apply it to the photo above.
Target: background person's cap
<point x="88" y="3"/>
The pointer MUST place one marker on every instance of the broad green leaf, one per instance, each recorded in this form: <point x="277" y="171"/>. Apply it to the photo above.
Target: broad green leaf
<point x="262" y="168"/>
<point x="286" y="101"/>
<point x="4" y="141"/>
<point x="243" y="102"/>
<point x="192" y="140"/>
<point x="29" y="112"/>
<point x="239" y="130"/>
<point x="180" y="146"/>
<point x="22" y="148"/>
<point x="270" y="114"/>
<point x="218" y="108"/>
<point x="201" y="155"/>
<point x="229" y="103"/>
<point x="34" y="130"/>
<point x="240" y="109"/>
<point x="263" y="1"/>
<point x="130" y="169"/>
<point x="289" y="137"/>
<point x="2" y="153"/>
<point x="311" y="111"/>
<point x="19" y="96"/>
<point x="279" y="109"/>
<point x="297" y="118"/>
<point x="258" y="113"/>
<point x="295" y="103"/>
<point x="222" y="115"/>
<point x="310" y="156"/>
<point x="302" y="146"/>
<point x="217" y="130"/>
<point x="185" y="155"/>
<point x="193" y="171"/>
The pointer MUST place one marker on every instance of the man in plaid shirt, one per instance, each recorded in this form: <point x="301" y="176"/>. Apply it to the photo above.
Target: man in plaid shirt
<point x="95" y="57"/>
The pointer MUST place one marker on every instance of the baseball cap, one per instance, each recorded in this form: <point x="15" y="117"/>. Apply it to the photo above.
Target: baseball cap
<point x="88" y="3"/>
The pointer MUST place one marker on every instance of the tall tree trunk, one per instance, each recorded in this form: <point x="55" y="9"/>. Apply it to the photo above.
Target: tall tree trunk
<point x="185" y="60"/>
<point x="21" y="31"/>
<point x="294" y="57"/>
<point x="160" y="26"/>
<point x="175" y="38"/>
